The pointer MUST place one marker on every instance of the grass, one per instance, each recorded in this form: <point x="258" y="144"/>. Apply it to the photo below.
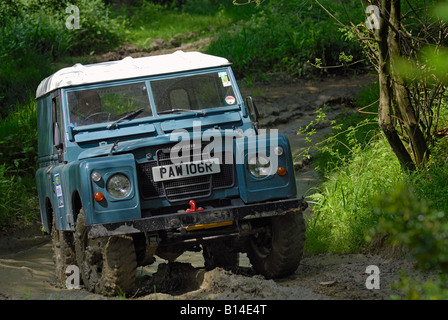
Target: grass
<point x="195" y="19"/>
<point x="366" y="194"/>
<point x="342" y="208"/>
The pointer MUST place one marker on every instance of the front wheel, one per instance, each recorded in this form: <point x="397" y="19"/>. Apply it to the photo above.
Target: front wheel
<point x="277" y="252"/>
<point x="107" y="265"/>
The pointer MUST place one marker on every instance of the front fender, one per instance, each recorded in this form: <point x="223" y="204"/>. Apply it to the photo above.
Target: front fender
<point x="273" y="185"/>
<point x="110" y="209"/>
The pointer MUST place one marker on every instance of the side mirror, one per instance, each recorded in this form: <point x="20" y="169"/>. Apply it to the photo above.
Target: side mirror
<point x="252" y="112"/>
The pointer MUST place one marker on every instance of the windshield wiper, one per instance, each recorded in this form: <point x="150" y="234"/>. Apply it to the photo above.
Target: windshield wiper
<point x="179" y="110"/>
<point x="126" y="117"/>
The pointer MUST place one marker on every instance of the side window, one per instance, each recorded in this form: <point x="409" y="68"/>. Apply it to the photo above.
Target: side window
<point x="58" y="133"/>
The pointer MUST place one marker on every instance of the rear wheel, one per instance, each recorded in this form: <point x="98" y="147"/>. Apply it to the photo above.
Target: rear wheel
<point x="107" y="265"/>
<point x="277" y="252"/>
<point x="63" y="252"/>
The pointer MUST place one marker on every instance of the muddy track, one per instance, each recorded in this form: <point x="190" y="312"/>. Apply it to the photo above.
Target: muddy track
<point x="30" y="275"/>
<point x="26" y="264"/>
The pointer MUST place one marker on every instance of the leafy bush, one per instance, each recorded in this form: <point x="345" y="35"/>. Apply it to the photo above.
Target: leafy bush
<point x="284" y="35"/>
<point x="353" y="132"/>
<point x="419" y="289"/>
<point x="18" y="139"/>
<point x="18" y="202"/>
<point x="99" y="31"/>
<point x="415" y="215"/>
<point x="34" y="35"/>
<point x="20" y="77"/>
<point x="410" y="218"/>
<point x="414" y="223"/>
<point x="18" y="163"/>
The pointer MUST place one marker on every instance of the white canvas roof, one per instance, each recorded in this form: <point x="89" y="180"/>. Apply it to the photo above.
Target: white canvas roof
<point x="128" y="68"/>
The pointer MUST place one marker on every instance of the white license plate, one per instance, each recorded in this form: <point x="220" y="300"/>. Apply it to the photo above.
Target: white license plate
<point x="186" y="170"/>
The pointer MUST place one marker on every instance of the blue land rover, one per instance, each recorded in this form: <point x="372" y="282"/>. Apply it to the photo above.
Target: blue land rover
<point x="156" y="156"/>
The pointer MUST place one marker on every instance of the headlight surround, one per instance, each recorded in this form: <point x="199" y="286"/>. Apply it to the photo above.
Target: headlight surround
<point x="259" y="166"/>
<point x="118" y="185"/>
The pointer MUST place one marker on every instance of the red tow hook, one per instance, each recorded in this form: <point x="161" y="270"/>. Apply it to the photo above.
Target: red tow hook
<point x="193" y="208"/>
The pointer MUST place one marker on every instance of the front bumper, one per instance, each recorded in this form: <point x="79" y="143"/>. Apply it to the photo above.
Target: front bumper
<point x="183" y="220"/>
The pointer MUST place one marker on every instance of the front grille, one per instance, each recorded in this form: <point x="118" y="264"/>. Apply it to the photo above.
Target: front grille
<point x="181" y="189"/>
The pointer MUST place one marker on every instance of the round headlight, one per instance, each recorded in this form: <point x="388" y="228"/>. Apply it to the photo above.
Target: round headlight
<point x="118" y="185"/>
<point x="259" y="166"/>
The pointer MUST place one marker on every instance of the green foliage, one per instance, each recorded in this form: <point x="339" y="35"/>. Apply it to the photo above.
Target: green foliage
<point x="440" y="11"/>
<point x="197" y="18"/>
<point x="19" y="78"/>
<point x="284" y="36"/>
<point x="414" y="223"/>
<point x="18" y="163"/>
<point x="18" y="203"/>
<point x="341" y="206"/>
<point x="39" y="27"/>
<point x="416" y="218"/>
<point x="18" y="139"/>
<point x="350" y="132"/>
<point x="34" y="35"/>
<point x="418" y="289"/>
<point x="430" y="182"/>
<point x="99" y="31"/>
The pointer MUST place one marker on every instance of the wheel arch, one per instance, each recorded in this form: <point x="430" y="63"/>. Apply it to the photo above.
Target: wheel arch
<point x="76" y="205"/>
<point x="47" y="220"/>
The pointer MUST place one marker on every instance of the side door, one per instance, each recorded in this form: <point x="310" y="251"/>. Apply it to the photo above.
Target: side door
<point x="57" y="163"/>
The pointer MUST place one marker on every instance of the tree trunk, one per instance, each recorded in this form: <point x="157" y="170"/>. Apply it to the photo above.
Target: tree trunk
<point x="386" y="93"/>
<point x="416" y="136"/>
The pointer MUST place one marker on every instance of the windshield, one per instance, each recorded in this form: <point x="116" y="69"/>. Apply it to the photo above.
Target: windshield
<point x="196" y="92"/>
<point x="102" y="105"/>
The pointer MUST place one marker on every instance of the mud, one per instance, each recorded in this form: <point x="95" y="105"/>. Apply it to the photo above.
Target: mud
<point x="29" y="275"/>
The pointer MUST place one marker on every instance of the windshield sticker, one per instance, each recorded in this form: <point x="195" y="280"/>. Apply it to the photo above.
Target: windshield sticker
<point x="225" y="79"/>
<point x="57" y="181"/>
<point x="230" y="100"/>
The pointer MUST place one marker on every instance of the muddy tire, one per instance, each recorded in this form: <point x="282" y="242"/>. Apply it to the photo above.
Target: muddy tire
<point x="107" y="265"/>
<point x="219" y="255"/>
<point x="277" y="253"/>
<point x="63" y="252"/>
